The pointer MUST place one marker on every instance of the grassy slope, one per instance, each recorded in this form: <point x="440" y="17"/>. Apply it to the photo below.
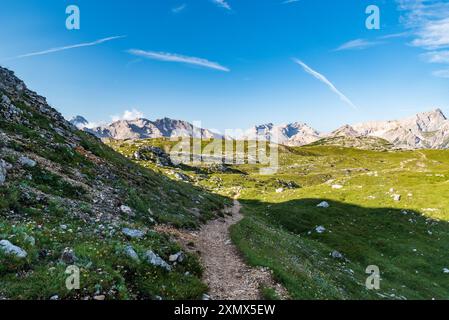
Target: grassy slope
<point x="71" y="198"/>
<point x="408" y="240"/>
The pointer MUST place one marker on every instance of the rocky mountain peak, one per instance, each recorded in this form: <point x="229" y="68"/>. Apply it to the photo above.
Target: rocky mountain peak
<point x="79" y="122"/>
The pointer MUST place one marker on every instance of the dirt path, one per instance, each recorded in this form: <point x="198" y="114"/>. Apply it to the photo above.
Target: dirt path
<point x="225" y="272"/>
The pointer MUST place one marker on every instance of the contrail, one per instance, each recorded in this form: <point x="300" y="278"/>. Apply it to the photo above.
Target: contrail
<point x="323" y="79"/>
<point x="79" y="45"/>
<point x="172" y="57"/>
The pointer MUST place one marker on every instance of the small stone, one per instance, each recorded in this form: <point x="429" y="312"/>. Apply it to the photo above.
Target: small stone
<point x="68" y="256"/>
<point x="445" y="270"/>
<point x="336" y="255"/>
<point x="157" y="261"/>
<point x="397" y="197"/>
<point x="126" y="210"/>
<point x="280" y="190"/>
<point x="323" y="204"/>
<point x="10" y="249"/>
<point x="131" y="253"/>
<point x="55" y="297"/>
<point x="177" y="257"/>
<point x="337" y="186"/>
<point x="100" y="297"/>
<point x="206" y="297"/>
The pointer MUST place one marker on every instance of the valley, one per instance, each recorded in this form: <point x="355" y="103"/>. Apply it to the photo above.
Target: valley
<point x="117" y="211"/>
<point x="385" y="208"/>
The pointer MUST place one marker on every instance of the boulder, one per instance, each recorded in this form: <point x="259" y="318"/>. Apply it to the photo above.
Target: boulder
<point x="27" y="162"/>
<point x="320" y="229"/>
<point x="133" y="233"/>
<point x="157" y="261"/>
<point x="10" y="249"/>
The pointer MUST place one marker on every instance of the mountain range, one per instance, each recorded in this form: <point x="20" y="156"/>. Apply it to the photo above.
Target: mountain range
<point x="427" y="130"/>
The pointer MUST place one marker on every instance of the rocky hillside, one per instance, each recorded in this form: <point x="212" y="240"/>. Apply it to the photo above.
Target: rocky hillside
<point x="146" y="129"/>
<point x="429" y="130"/>
<point x="68" y="199"/>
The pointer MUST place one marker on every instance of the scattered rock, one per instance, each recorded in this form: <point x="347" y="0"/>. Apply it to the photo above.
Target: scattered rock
<point x="100" y="297"/>
<point x="323" y="204"/>
<point x="131" y="253"/>
<point x="10" y="249"/>
<point x="157" y="261"/>
<point x="320" y="229"/>
<point x="27" y="162"/>
<point x="397" y="197"/>
<point x="68" y="256"/>
<point x="133" y="233"/>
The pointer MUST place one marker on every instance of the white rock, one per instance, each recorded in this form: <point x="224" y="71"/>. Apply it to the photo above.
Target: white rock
<point x="445" y="270"/>
<point x="337" y="186"/>
<point x="27" y="162"/>
<point x="280" y="190"/>
<point x="323" y="204"/>
<point x="320" y="229"/>
<point x="133" y="233"/>
<point x="397" y="197"/>
<point x="10" y="249"/>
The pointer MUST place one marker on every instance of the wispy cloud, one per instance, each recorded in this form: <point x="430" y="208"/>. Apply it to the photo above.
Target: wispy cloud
<point x="179" y="8"/>
<point x="358" y="44"/>
<point x="172" y="57"/>
<point x="324" y="80"/>
<point x="394" y="35"/>
<point x="428" y="21"/>
<point x="444" y="73"/>
<point x="75" y="46"/>
<point x="223" y="4"/>
<point x="290" y="1"/>
<point x="128" y="115"/>
<point x="437" y="56"/>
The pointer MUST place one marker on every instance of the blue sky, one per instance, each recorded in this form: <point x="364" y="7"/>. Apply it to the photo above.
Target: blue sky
<point x="230" y="64"/>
